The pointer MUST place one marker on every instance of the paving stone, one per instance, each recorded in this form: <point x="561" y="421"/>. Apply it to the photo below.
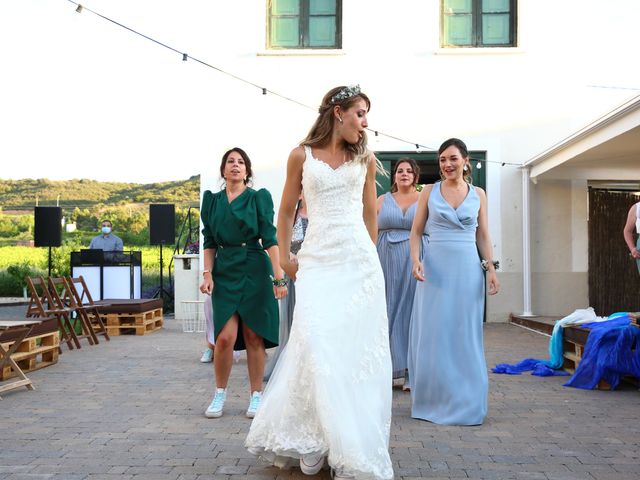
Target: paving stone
<point x="132" y="408"/>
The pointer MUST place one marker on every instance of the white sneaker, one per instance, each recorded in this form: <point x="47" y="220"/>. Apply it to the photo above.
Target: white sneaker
<point x="254" y="403"/>
<point x="311" y="463"/>
<point x="217" y="404"/>
<point x="207" y="356"/>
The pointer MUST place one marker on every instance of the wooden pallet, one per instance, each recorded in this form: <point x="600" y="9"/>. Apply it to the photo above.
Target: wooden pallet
<point x="33" y="353"/>
<point x="134" y="323"/>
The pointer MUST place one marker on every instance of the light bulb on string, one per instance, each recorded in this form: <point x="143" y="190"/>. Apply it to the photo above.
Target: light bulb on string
<point x="376" y="138"/>
<point x="478" y="165"/>
<point x="79" y="8"/>
<point x="184" y="57"/>
<point x="264" y="91"/>
<point x="418" y="149"/>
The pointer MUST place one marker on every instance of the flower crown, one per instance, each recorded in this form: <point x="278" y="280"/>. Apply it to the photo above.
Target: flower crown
<point x="346" y="92"/>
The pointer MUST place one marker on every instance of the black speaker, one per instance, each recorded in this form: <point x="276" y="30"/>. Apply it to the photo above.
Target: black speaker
<point x="162" y="224"/>
<point x="47" y="231"/>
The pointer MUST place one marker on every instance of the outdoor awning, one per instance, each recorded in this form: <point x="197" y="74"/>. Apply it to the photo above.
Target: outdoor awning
<point x="606" y="149"/>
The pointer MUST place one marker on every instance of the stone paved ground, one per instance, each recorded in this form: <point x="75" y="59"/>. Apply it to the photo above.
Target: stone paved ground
<point x="133" y="409"/>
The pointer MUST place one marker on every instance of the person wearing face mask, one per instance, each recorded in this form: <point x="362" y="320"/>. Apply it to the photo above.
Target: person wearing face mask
<point x="107" y="241"/>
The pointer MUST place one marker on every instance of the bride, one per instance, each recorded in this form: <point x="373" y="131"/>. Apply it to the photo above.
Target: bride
<point x="329" y="397"/>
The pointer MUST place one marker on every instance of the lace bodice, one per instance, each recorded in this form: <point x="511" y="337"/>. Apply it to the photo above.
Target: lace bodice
<point x="334" y="209"/>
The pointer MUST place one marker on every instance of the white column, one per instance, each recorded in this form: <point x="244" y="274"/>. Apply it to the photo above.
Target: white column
<point x="526" y="244"/>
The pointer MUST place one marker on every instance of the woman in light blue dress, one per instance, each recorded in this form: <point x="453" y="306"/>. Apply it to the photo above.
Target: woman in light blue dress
<point x="396" y="210"/>
<point x="447" y="368"/>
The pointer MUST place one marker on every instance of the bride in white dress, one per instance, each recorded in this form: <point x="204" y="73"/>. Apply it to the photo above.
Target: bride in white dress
<point x="329" y="397"/>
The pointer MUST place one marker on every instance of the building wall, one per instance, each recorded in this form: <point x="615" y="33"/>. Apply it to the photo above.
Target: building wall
<point x="559" y="247"/>
<point x="513" y="103"/>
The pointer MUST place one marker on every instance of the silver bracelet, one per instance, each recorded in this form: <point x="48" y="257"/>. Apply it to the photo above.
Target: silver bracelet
<point x="485" y="264"/>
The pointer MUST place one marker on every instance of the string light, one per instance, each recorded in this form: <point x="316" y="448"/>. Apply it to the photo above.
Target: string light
<point x="478" y="165"/>
<point x="419" y="148"/>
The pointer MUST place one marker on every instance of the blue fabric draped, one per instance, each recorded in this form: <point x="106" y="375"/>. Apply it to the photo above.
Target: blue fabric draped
<point x="539" y="367"/>
<point x="609" y="353"/>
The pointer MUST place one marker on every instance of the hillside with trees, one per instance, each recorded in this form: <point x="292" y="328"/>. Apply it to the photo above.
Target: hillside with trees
<point x="83" y="193"/>
<point x="85" y="203"/>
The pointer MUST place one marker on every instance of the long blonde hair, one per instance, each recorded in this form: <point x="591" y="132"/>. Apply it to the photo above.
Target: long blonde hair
<point x="322" y="129"/>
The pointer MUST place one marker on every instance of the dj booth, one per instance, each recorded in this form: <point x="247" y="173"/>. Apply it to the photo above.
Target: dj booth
<point x="109" y="274"/>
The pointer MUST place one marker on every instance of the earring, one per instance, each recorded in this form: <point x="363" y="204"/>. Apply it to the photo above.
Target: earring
<point x="465" y="168"/>
<point x="340" y="119"/>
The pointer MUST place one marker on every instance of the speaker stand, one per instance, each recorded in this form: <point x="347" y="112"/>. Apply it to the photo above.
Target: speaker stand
<point x="49" y="260"/>
<point x="161" y="292"/>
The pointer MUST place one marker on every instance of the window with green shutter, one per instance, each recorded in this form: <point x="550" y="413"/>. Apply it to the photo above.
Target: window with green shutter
<point x="478" y="23"/>
<point x="304" y="24"/>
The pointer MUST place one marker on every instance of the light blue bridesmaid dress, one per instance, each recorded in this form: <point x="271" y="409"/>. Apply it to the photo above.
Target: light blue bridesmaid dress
<point x="447" y="368"/>
<point x="394" y="227"/>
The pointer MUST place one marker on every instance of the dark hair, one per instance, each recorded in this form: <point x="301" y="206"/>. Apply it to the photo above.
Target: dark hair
<point x="322" y="128"/>
<point x="245" y="157"/>
<point x="460" y="145"/>
<point x="106" y="220"/>
<point x="414" y="167"/>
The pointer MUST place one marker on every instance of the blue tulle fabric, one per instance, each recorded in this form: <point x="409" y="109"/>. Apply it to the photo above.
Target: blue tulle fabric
<point x="539" y="367"/>
<point x="612" y="350"/>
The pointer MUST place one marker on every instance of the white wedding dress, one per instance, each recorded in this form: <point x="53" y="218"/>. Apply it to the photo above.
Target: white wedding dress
<point x="330" y="391"/>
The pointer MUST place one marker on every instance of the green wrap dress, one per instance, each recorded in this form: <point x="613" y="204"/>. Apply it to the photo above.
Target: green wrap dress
<point x="240" y="232"/>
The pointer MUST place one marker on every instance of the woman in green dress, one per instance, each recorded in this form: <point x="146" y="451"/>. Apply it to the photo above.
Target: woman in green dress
<point x="243" y="280"/>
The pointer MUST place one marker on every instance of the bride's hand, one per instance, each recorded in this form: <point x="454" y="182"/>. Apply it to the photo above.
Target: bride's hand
<point x="290" y="268"/>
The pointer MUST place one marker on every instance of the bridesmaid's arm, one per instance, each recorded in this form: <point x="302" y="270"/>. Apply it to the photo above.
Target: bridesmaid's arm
<point x="207" y="274"/>
<point x="278" y="274"/>
<point x="370" y="213"/>
<point x="417" y="228"/>
<point x="628" y="231"/>
<point x="483" y="241"/>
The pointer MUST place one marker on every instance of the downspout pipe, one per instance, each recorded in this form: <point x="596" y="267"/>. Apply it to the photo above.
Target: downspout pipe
<point x="526" y="243"/>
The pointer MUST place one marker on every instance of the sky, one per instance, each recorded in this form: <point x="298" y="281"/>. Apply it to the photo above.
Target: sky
<point x="83" y="98"/>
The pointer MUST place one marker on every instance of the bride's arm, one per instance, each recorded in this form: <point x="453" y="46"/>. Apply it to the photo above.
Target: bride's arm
<point x="290" y="195"/>
<point x="369" y="212"/>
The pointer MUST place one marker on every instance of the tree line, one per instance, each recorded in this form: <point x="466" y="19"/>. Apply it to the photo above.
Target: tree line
<point x="83" y="193"/>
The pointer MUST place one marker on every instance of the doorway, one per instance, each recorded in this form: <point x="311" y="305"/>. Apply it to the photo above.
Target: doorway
<point x="614" y="283"/>
<point x="429" y="170"/>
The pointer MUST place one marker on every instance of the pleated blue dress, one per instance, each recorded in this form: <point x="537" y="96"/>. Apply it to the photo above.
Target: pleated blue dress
<point x="394" y="227"/>
<point x="447" y="368"/>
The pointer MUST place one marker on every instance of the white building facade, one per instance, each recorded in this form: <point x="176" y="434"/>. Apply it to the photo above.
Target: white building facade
<point x="511" y="78"/>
